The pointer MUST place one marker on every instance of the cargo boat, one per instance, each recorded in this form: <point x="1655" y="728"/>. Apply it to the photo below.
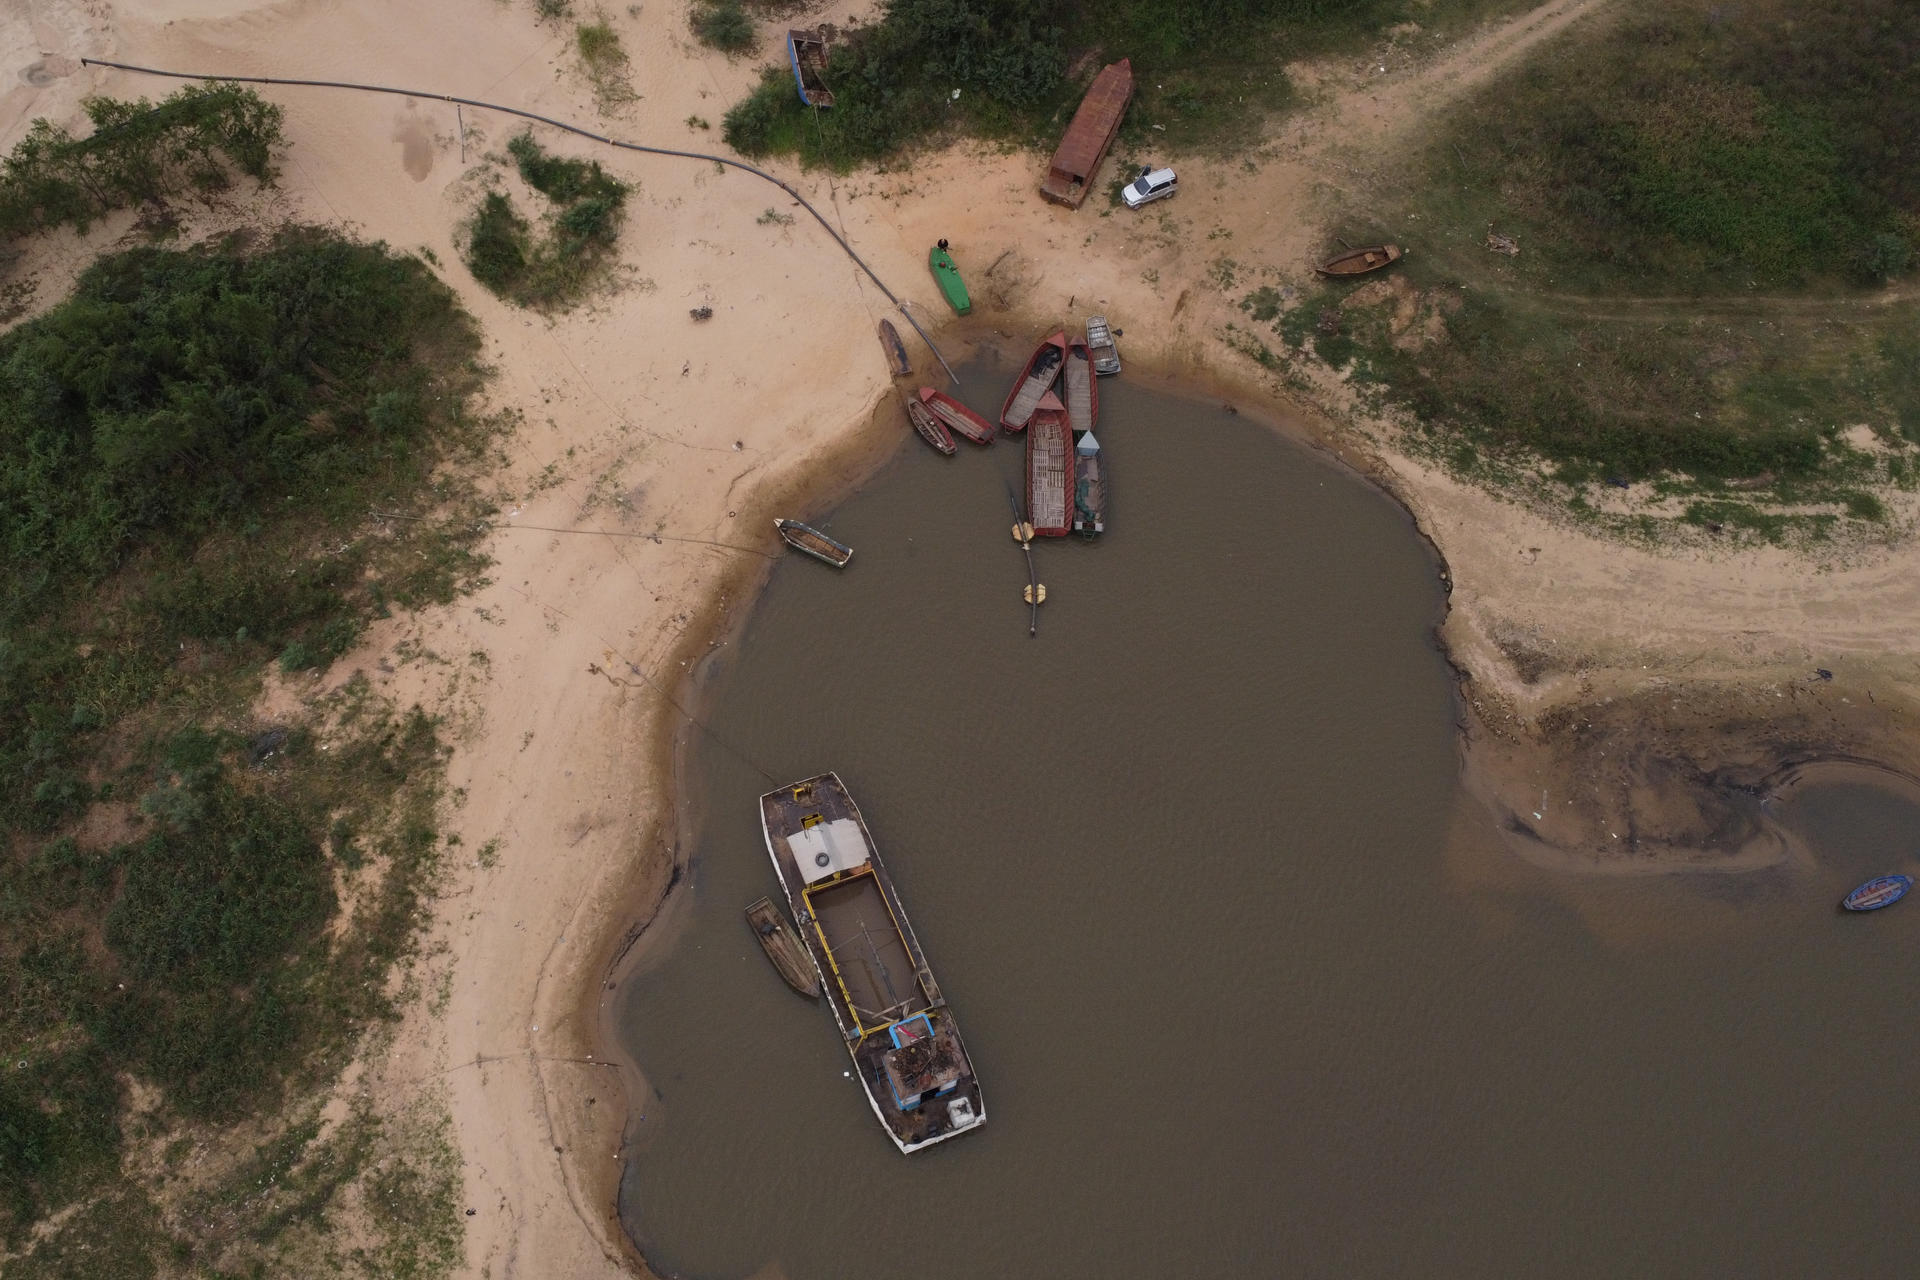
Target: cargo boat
<point x="1034" y="382"/>
<point x="809" y="540"/>
<point x="1050" y="470"/>
<point x="1084" y="145"/>
<point x="960" y="419"/>
<point x="901" y="1035"/>
<point x="1089" y="487"/>
<point x="1079" y="390"/>
<point x="807" y="52"/>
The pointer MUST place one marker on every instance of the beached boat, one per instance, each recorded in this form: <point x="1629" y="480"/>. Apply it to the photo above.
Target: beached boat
<point x="931" y="429"/>
<point x="1049" y="469"/>
<point x="1106" y="356"/>
<point x="806" y="538"/>
<point x="960" y="419"/>
<point x="1079" y="390"/>
<point x="1881" y="891"/>
<point x="1089" y="487"/>
<point x="897" y="1027"/>
<point x="1357" y="262"/>
<point x="896" y="350"/>
<point x="783" y="947"/>
<point x="1035" y="381"/>
<point x="1077" y="158"/>
<point x="947" y="276"/>
<point x="807" y="52"/>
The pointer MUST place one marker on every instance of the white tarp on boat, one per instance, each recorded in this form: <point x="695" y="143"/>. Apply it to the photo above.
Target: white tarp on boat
<point x="828" y="848"/>
<point x="1086" y="446"/>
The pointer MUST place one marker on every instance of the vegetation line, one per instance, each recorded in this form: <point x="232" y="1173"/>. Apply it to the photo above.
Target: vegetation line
<point x="490" y="527"/>
<point x="568" y="128"/>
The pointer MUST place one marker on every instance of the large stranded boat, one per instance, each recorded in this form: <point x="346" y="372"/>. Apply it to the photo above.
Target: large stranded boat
<point x="902" y="1037"/>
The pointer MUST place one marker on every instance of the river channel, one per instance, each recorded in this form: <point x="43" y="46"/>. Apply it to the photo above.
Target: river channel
<point x="1250" y="989"/>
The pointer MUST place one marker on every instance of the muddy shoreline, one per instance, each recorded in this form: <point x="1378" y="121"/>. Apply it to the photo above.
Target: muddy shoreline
<point x="1642" y="777"/>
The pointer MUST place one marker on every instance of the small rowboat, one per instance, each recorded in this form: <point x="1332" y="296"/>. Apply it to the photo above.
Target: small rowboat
<point x="1881" y="891"/>
<point x="1358" y="262"/>
<point x="947" y="276"/>
<point x="782" y="946"/>
<point x="807" y="54"/>
<point x="808" y="540"/>
<point x="896" y="350"/>
<point x="1106" y="356"/>
<point x="931" y="429"/>
<point x="1035" y="381"/>
<point x="957" y="416"/>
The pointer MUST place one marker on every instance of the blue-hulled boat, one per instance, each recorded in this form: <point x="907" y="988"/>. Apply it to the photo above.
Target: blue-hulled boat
<point x="1881" y="891"/>
<point x="807" y="53"/>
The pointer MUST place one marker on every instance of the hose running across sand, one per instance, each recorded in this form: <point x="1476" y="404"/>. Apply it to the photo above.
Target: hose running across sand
<point x="569" y="128"/>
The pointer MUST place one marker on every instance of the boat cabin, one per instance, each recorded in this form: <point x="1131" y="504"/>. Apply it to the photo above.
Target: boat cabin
<point x="924" y="1062"/>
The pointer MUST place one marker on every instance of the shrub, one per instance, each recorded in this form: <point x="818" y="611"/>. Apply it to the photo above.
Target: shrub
<point x="724" y="25"/>
<point x="497" y="244"/>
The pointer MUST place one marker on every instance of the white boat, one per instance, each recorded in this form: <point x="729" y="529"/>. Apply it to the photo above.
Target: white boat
<point x="1106" y="356"/>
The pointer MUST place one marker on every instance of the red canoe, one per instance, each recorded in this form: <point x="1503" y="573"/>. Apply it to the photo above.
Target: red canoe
<point x="957" y="416"/>
<point x="1035" y="381"/>
<point x="931" y="429"/>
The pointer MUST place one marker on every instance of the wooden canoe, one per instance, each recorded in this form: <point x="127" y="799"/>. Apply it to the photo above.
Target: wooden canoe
<point x="947" y="276"/>
<point x="896" y="350"/>
<point x="1106" y="356"/>
<point x="960" y="419"/>
<point x="1358" y="262"/>
<point x="1035" y="381"/>
<point x="810" y="541"/>
<point x="931" y="429"/>
<point x="1881" y="891"/>
<point x="783" y="947"/>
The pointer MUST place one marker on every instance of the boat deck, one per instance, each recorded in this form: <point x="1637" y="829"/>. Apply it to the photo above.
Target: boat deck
<point x="1038" y="382"/>
<point x="1089" y="495"/>
<point x="1079" y="397"/>
<point x="1049" y="463"/>
<point x="877" y="974"/>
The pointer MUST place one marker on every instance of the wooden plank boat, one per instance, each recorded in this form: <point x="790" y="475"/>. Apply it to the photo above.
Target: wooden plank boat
<point x="1050" y="470"/>
<point x="1106" y="356"/>
<point x="783" y="947"/>
<point x="807" y="52"/>
<point x="1089" y="487"/>
<point x="897" y="362"/>
<point x="896" y="1025"/>
<point x="931" y="429"/>
<point x="1035" y="381"/>
<point x="805" y="538"/>
<point x="1881" y="891"/>
<point x="1078" y="388"/>
<point x="1357" y="262"/>
<point x="947" y="276"/>
<point x="960" y="419"/>
<point x="1077" y="159"/>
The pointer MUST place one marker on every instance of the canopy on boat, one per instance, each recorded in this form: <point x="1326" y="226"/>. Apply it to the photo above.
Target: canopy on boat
<point x="1086" y="446"/>
<point x="828" y="848"/>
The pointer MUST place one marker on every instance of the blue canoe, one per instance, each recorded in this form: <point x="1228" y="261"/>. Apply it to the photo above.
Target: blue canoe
<point x="807" y="54"/>
<point x="1878" y="892"/>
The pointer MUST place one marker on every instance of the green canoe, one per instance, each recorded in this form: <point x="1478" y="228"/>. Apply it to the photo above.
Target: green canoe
<point x="949" y="277"/>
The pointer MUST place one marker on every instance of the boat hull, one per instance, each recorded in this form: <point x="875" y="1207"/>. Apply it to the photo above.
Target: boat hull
<point x="807" y="55"/>
<point x="1036" y="380"/>
<point x="885" y="993"/>
<point x="959" y="419"/>
<point x="1359" y="262"/>
<point x="1050" y="474"/>
<point x="1881" y="891"/>
<point x="947" y="276"/>
<point x="931" y="429"/>
<point x="808" y="540"/>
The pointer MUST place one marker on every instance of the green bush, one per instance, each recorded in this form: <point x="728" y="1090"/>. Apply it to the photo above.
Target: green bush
<point x="558" y="267"/>
<point x="498" y="244"/>
<point x="137" y="152"/>
<point x="724" y="25"/>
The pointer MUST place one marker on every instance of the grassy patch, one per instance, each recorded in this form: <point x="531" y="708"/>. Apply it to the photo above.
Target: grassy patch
<point x="1204" y="77"/>
<point x="567" y="258"/>
<point x="190" y="447"/>
<point x="605" y="62"/>
<point x="724" y="25"/>
<point x="137" y="153"/>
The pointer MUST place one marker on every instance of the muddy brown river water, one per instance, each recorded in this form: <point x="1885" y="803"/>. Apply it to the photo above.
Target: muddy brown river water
<point x="1251" y="989"/>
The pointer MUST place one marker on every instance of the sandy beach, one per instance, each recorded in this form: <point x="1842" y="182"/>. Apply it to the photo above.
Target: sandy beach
<point x="652" y="450"/>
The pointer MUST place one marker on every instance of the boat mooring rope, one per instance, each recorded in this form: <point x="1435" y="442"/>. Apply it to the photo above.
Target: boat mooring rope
<point x="567" y="128"/>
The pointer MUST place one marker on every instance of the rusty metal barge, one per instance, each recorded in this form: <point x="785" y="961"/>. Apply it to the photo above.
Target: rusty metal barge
<point x="901" y="1035"/>
<point x="1085" y="143"/>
